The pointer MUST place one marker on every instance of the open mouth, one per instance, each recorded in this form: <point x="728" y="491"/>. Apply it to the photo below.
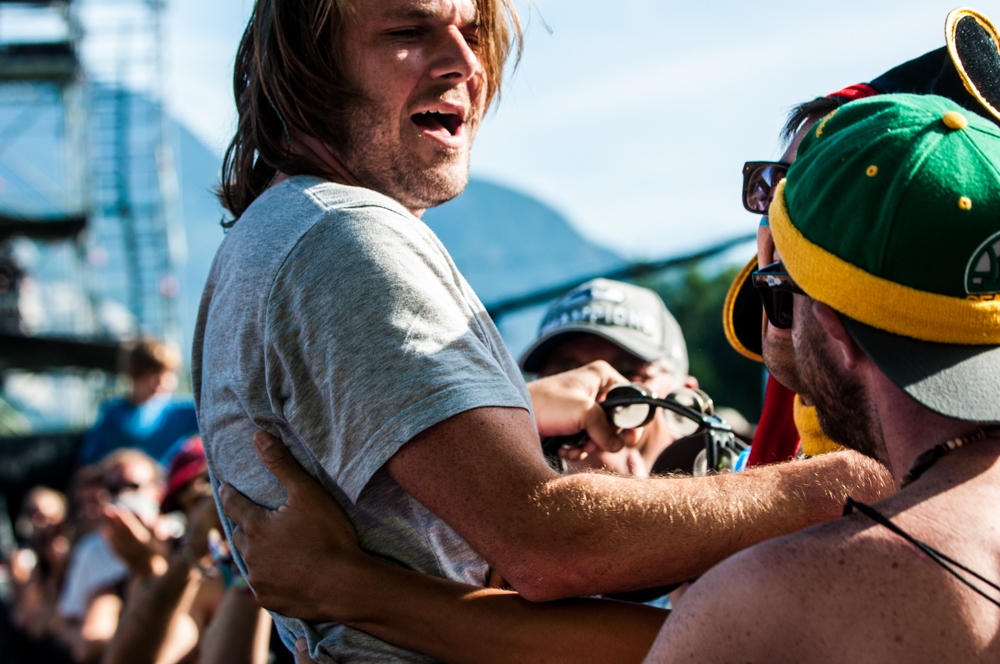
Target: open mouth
<point x="436" y="121"/>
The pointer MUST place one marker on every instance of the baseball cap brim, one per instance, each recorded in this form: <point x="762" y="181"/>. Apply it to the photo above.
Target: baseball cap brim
<point x="958" y="381"/>
<point x="743" y="314"/>
<point x="533" y="359"/>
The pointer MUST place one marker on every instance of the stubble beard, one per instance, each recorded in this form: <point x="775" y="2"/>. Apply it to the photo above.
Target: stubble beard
<point x="379" y="163"/>
<point x="841" y="402"/>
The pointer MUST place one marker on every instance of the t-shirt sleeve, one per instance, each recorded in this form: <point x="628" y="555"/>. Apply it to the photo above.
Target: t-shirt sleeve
<point x="370" y="340"/>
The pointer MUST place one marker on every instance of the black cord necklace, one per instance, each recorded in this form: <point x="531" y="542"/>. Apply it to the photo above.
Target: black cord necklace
<point x="920" y="466"/>
<point x="930" y="457"/>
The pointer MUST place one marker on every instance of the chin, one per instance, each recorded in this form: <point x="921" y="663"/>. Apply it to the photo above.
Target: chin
<point x="434" y="186"/>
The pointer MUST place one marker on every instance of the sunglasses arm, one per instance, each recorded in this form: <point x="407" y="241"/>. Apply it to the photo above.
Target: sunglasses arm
<point x="704" y="421"/>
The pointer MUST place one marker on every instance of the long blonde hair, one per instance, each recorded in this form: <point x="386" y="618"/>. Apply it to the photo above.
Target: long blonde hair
<point x="290" y="77"/>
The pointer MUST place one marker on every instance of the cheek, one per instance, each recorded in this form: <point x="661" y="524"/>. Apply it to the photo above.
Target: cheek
<point x="662" y="386"/>
<point x="802" y="320"/>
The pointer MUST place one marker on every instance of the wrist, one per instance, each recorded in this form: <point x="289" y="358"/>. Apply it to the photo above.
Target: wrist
<point x="354" y="579"/>
<point x="196" y="563"/>
<point x="833" y="476"/>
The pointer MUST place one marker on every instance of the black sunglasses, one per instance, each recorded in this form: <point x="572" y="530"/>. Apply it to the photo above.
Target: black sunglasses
<point x="760" y="178"/>
<point x="121" y="487"/>
<point x="775" y="287"/>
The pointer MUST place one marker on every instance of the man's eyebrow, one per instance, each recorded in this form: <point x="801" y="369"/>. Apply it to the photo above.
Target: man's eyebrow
<point x="420" y="13"/>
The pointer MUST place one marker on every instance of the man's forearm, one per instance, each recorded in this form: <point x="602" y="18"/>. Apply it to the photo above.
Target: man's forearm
<point x="556" y="536"/>
<point x="458" y="624"/>
<point x="239" y="633"/>
<point x="596" y="533"/>
<point x="145" y="627"/>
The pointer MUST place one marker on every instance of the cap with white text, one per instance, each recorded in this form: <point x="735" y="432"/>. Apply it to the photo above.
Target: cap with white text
<point x="628" y="316"/>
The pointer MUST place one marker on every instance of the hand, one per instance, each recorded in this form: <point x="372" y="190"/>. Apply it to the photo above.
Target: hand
<point x="302" y="651"/>
<point x="132" y="541"/>
<point x="569" y="402"/>
<point x="22" y="564"/>
<point x="284" y="548"/>
<point x="203" y="519"/>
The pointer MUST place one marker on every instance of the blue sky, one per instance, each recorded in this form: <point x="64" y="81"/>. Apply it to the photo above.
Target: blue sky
<point x="632" y="117"/>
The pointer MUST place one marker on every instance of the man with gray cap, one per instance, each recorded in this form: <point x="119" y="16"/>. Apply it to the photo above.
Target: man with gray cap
<point x="632" y="330"/>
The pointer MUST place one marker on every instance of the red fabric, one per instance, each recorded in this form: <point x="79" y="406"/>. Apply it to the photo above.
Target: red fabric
<point x="187" y="464"/>
<point x="776" y="439"/>
<point x="855" y="92"/>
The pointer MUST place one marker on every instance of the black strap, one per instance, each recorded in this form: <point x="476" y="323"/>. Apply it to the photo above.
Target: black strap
<point x="944" y="561"/>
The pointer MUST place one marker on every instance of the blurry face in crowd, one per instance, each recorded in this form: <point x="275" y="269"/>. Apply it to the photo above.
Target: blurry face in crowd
<point x="583" y="349"/>
<point x="416" y="62"/>
<point x="146" y="386"/>
<point x="42" y="515"/>
<point x="778" y="353"/>
<point x="193" y="493"/>
<point x="89" y="500"/>
<point x="134" y="483"/>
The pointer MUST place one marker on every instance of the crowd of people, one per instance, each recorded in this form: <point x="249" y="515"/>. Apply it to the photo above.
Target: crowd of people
<point x="129" y="564"/>
<point x="372" y="471"/>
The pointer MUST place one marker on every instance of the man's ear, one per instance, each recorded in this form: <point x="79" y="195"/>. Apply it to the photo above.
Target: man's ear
<point x="844" y="343"/>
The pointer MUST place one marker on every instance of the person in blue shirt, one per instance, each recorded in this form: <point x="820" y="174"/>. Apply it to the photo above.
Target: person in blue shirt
<point x="150" y="418"/>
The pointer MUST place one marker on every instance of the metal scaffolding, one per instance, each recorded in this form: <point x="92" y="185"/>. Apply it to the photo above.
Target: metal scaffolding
<point x="91" y="241"/>
<point x="136" y="240"/>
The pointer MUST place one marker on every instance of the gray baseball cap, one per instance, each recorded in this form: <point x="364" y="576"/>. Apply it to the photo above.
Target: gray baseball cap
<point x="954" y="380"/>
<point x="631" y="317"/>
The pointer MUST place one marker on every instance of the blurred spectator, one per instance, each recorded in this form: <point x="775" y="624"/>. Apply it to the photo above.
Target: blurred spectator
<point x="180" y="606"/>
<point x="150" y="418"/>
<point x="87" y="498"/>
<point x="631" y="329"/>
<point x="91" y="600"/>
<point x="38" y="569"/>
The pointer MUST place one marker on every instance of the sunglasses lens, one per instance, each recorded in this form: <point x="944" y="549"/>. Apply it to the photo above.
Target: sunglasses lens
<point x="778" y="305"/>
<point x="784" y="303"/>
<point x="760" y="187"/>
<point x="777" y="293"/>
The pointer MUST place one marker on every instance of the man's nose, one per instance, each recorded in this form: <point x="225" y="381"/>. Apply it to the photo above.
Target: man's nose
<point x="454" y="60"/>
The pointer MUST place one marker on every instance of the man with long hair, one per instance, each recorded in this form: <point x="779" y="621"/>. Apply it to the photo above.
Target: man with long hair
<point x="334" y="319"/>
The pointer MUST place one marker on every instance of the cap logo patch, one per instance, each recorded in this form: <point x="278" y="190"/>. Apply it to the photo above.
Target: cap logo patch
<point x="594" y="293"/>
<point x="982" y="275"/>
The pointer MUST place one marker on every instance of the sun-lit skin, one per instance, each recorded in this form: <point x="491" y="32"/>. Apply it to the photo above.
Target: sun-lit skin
<point x="778" y="352"/>
<point x="583" y="349"/>
<point x="416" y="62"/>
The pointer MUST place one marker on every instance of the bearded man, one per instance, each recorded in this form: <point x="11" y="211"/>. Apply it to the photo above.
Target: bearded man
<point x="334" y="319"/>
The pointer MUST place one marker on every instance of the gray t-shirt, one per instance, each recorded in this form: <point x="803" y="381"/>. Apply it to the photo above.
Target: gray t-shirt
<point x="335" y="319"/>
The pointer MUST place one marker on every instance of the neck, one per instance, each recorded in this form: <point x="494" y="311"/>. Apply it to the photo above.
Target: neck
<point x="909" y="429"/>
<point x="336" y="170"/>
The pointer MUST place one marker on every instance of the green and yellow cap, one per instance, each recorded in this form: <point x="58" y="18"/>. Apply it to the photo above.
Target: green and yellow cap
<point x="890" y="216"/>
<point x="966" y="70"/>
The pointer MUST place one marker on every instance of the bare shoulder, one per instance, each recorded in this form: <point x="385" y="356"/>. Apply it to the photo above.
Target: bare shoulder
<point x="844" y="591"/>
